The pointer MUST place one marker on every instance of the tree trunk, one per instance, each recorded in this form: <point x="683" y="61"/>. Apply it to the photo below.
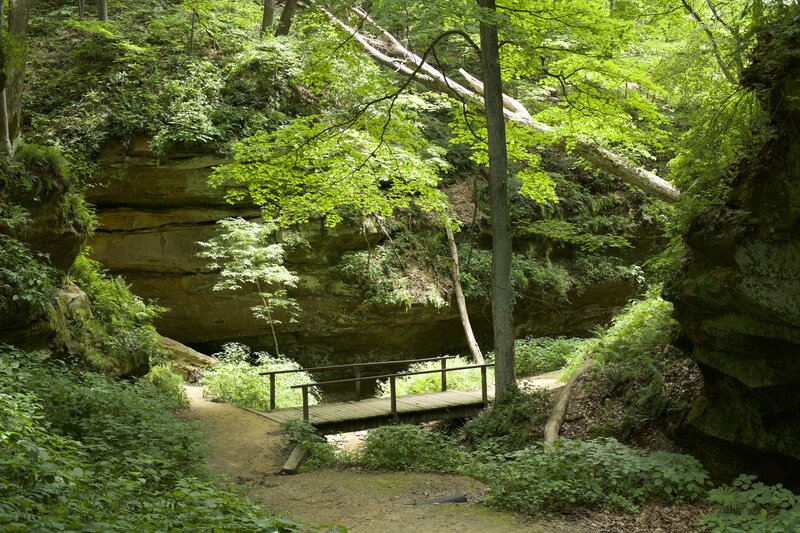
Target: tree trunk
<point x="191" y="32"/>
<point x="8" y="149"/>
<point x="102" y="10"/>
<point x="474" y="349"/>
<point x="268" y="17"/>
<point x="81" y="10"/>
<point x="19" y="11"/>
<point x="559" y="412"/>
<point x="267" y="308"/>
<point x="285" y="23"/>
<point x="713" y="42"/>
<point x="502" y="304"/>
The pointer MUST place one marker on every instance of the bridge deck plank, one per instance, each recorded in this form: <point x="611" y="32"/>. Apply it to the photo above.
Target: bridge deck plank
<point x="370" y="409"/>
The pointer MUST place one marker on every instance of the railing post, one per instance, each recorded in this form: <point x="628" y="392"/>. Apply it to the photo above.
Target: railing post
<point x="484" y="387"/>
<point x="272" y="391"/>
<point x="393" y="396"/>
<point x="358" y="383"/>
<point x="444" y="375"/>
<point x="305" y="403"/>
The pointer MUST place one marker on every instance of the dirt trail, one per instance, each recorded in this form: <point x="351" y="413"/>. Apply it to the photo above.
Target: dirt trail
<point x="242" y="447"/>
<point x="249" y="449"/>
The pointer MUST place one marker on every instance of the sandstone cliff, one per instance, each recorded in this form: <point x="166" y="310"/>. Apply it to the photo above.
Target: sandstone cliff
<point x="153" y="213"/>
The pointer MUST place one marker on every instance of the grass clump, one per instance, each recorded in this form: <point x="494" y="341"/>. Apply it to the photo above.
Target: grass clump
<point x="752" y="507"/>
<point x="237" y="379"/>
<point x="594" y="474"/>
<point x="82" y="453"/>
<point x="461" y="380"/>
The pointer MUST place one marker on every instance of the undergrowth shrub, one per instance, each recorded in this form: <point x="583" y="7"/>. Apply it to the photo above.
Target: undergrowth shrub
<point x="461" y="380"/>
<point x="387" y="278"/>
<point x="168" y="383"/>
<point x="515" y="424"/>
<point x="750" y="507"/>
<point x="25" y="277"/>
<point x="644" y="325"/>
<point x="406" y="447"/>
<point x="531" y="278"/>
<point x="34" y="184"/>
<point x="239" y="382"/>
<point x="81" y="453"/>
<point x="643" y="380"/>
<point x="537" y="355"/>
<point x="320" y="453"/>
<point x="594" y="474"/>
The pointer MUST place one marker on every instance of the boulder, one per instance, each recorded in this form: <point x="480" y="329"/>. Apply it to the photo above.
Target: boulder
<point x="186" y="361"/>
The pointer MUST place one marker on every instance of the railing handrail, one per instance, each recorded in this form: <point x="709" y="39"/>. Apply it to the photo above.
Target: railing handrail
<point x="393" y="384"/>
<point x="358" y="365"/>
<point x="395" y="375"/>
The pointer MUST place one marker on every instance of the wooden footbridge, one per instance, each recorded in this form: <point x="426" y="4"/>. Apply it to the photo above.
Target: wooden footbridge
<point x="373" y="412"/>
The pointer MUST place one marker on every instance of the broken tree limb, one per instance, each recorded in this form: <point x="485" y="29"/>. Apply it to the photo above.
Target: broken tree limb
<point x="595" y="154"/>
<point x="390" y="52"/>
<point x="474" y="349"/>
<point x="559" y="412"/>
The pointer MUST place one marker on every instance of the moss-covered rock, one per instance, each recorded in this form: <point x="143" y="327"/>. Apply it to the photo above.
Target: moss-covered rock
<point x="44" y="222"/>
<point x="738" y="299"/>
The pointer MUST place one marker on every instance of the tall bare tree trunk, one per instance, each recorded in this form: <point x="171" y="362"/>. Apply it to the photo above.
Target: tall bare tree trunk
<point x="502" y="304"/>
<point x="268" y="17"/>
<point x="102" y="10"/>
<point x="474" y="349"/>
<point x="285" y="23"/>
<point x="81" y="10"/>
<point x="8" y="147"/>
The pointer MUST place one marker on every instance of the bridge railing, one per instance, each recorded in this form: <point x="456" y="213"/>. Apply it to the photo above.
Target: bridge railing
<point x="393" y="385"/>
<point x="357" y="367"/>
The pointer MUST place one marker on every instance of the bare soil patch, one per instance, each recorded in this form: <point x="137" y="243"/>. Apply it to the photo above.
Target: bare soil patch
<point x="392" y="502"/>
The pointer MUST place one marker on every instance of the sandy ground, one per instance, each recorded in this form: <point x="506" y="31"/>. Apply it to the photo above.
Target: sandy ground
<point x="248" y="449"/>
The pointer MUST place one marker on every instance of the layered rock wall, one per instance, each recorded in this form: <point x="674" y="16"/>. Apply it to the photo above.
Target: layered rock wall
<point x="153" y="213"/>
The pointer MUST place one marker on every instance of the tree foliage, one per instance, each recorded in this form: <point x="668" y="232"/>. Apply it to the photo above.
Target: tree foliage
<point x="245" y="259"/>
<point x="315" y="169"/>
